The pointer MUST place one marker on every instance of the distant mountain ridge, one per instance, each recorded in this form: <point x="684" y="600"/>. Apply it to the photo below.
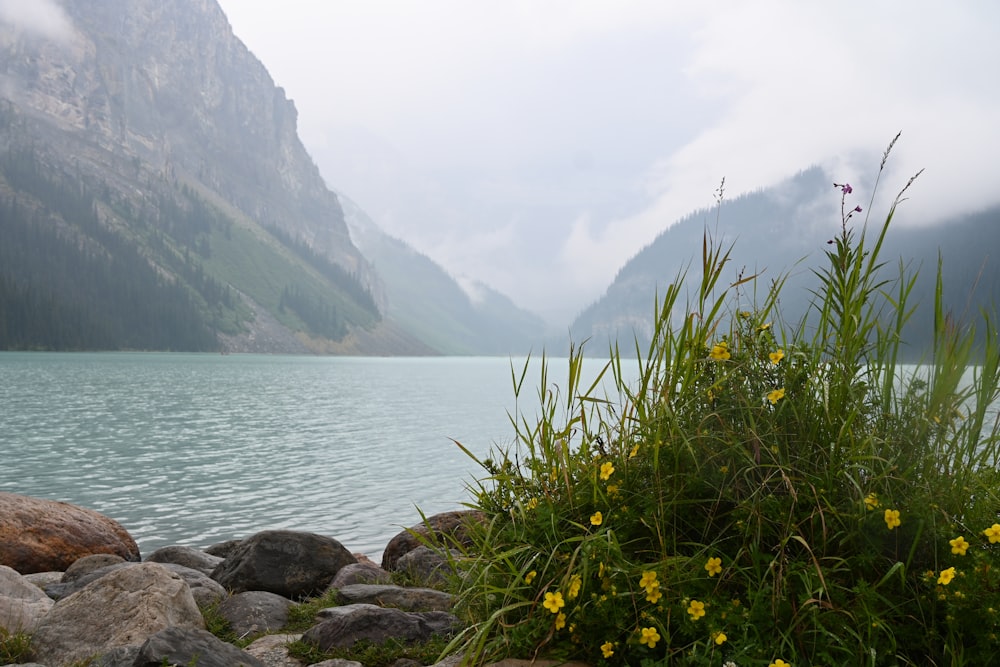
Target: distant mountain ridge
<point x="155" y="195"/>
<point x="782" y="231"/>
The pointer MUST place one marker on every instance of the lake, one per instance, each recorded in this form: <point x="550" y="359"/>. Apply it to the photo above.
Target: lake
<point x="197" y="448"/>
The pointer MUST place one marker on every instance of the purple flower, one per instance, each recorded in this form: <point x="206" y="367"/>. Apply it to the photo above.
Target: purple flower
<point x="846" y="188"/>
<point x="857" y="209"/>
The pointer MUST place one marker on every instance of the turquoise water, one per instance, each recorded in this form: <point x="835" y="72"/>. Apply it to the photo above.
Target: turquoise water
<point x="196" y="449"/>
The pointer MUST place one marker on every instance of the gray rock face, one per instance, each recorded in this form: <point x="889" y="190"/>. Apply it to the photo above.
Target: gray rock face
<point x="22" y="604"/>
<point x="289" y="563"/>
<point x="204" y="589"/>
<point x="255" y="612"/>
<point x="38" y="535"/>
<point x="405" y="598"/>
<point x="186" y="646"/>
<point x="186" y="556"/>
<point x="123" y="608"/>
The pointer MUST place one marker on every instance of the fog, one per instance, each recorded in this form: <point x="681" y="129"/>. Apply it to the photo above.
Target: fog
<point x="537" y="146"/>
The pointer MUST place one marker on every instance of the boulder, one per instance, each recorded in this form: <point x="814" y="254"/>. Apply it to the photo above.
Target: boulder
<point x="360" y="573"/>
<point x="84" y="566"/>
<point x="447" y="527"/>
<point x="81" y="579"/>
<point x="255" y="612"/>
<point x="272" y="650"/>
<point x="186" y="556"/>
<point x="405" y="598"/>
<point x="341" y="627"/>
<point x="205" y="590"/>
<point x="426" y="566"/>
<point x="290" y="563"/>
<point x="122" y="608"/>
<point x="223" y="549"/>
<point x="189" y="646"/>
<point x="22" y="604"/>
<point x="39" y="535"/>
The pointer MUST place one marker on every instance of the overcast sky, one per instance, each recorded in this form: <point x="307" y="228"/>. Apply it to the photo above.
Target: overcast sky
<point x="537" y="145"/>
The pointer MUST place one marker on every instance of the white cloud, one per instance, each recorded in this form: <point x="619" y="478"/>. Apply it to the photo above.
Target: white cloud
<point x="44" y="18"/>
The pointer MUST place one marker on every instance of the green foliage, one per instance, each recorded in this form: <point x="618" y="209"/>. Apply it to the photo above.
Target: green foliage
<point x="764" y="492"/>
<point x="370" y="654"/>
<point x="15" y="647"/>
<point x="302" y="616"/>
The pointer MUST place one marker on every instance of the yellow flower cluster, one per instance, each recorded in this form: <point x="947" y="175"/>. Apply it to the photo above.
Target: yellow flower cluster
<point x="649" y="636"/>
<point x="871" y="501"/>
<point x="696" y="609"/>
<point x="651" y="585"/>
<point x="774" y="396"/>
<point x="776" y="357"/>
<point x="720" y="351"/>
<point x="892" y="519"/>
<point x="607" y="469"/>
<point x="554" y="602"/>
<point x="713" y="566"/>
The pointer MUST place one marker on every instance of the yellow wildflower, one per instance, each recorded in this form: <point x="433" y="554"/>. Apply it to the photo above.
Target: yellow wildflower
<point x="607" y="469"/>
<point x="607" y="649"/>
<point x="871" y="501"/>
<point x="720" y="351"/>
<point x="612" y="490"/>
<point x="696" y="609"/>
<point x="764" y="327"/>
<point x="653" y="595"/>
<point x="649" y="637"/>
<point x="600" y="570"/>
<point x="892" y="518"/>
<point x="993" y="532"/>
<point x="946" y="576"/>
<point x="574" y="586"/>
<point x="713" y="566"/>
<point x="776" y="395"/>
<point x="648" y="580"/>
<point x="596" y="519"/>
<point x="560" y="621"/>
<point x="958" y="545"/>
<point x="776" y="357"/>
<point x="554" y="602"/>
<point x="531" y="504"/>
<point x="528" y="578"/>
<point x="779" y="663"/>
<point x="633" y="452"/>
<point x="719" y="638"/>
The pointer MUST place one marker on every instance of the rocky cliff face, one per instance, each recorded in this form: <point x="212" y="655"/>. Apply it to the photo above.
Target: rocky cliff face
<point x="132" y="90"/>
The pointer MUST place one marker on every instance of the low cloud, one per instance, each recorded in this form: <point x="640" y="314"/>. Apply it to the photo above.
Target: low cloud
<point x="43" y="18"/>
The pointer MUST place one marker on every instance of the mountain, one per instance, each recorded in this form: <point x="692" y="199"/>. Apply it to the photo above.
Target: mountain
<point x="783" y="231"/>
<point x="424" y="300"/>
<point x="154" y="194"/>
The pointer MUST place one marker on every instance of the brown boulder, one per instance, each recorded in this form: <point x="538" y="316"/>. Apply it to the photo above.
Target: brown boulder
<point x="38" y="535"/>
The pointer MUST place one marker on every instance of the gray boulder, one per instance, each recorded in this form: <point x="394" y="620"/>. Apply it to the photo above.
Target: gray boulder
<point x="341" y="627"/>
<point x="122" y="608"/>
<point x="188" y="646"/>
<point x="186" y="556"/>
<point x="84" y="566"/>
<point x="447" y="528"/>
<point x="426" y="566"/>
<point x="272" y="650"/>
<point x="22" y="604"/>
<point x="223" y="549"/>
<point x="289" y="563"/>
<point x="255" y="612"/>
<point x="205" y="590"/>
<point x="405" y="598"/>
<point x="360" y="573"/>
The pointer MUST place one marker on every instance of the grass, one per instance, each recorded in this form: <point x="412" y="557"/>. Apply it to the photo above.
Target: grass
<point x="767" y="493"/>
<point x="15" y="647"/>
